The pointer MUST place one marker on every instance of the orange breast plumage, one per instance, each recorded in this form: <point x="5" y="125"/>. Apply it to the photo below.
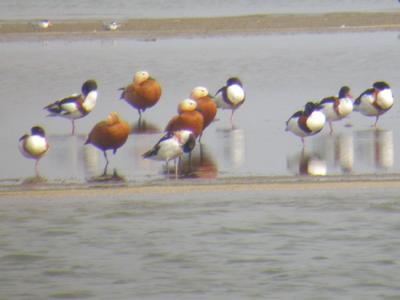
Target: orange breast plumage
<point x="144" y="92"/>
<point x="109" y="134"/>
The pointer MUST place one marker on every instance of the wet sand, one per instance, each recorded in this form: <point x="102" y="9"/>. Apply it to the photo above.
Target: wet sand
<point x="212" y="26"/>
<point x="227" y="185"/>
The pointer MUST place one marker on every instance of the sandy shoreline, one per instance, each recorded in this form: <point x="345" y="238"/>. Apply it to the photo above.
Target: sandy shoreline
<point x="164" y="187"/>
<point x="213" y="26"/>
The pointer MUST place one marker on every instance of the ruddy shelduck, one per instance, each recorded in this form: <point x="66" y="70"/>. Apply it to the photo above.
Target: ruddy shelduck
<point x="109" y="134"/>
<point x="143" y="93"/>
<point x="205" y="105"/>
<point x="188" y="118"/>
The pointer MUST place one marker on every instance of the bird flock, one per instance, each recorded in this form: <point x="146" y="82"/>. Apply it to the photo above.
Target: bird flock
<point x="194" y="115"/>
<point x="374" y="101"/>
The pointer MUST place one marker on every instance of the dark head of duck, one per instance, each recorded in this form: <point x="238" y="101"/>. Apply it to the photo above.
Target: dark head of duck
<point x="310" y="107"/>
<point x="37" y="130"/>
<point x="234" y="80"/>
<point x="344" y="92"/>
<point x="89" y="86"/>
<point x="380" y="85"/>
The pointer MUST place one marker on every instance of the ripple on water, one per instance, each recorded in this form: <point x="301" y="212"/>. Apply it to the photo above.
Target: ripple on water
<point x="80" y="294"/>
<point x="22" y="258"/>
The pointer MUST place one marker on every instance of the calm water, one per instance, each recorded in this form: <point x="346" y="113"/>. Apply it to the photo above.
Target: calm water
<point x="318" y="244"/>
<point x="280" y="73"/>
<point x="126" y="9"/>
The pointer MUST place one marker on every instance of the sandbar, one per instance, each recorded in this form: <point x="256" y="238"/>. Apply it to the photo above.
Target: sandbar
<point x="152" y="29"/>
<point x="369" y="182"/>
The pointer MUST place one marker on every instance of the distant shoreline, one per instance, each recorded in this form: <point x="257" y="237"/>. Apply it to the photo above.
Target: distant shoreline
<point x="152" y="29"/>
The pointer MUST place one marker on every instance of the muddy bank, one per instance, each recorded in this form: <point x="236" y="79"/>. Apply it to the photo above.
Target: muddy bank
<point x="213" y="26"/>
<point x="113" y="188"/>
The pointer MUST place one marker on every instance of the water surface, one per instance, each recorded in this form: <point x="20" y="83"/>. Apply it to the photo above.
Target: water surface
<point x="320" y="244"/>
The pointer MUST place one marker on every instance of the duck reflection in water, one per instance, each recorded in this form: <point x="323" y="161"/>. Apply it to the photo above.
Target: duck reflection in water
<point x="306" y="163"/>
<point x="233" y="146"/>
<point x="201" y="165"/>
<point x="383" y="149"/>
<point x="93" y="163"/>
<point x="344" y="152"/>
<point x="144" y="127"/>
<point x="374" y="148"/>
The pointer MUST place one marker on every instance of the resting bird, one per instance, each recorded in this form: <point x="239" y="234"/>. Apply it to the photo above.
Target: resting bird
<point x="205" y="105"/>
<point x="188" y="118"/>
<point x="144" y="92"/>
<point x="34" y="145"/>
<point x="75" y="106"/>
<point x="375" y="101"/>
<point x="337" y="108"/>
<point x="171" y="147"/>
<point x="231" y="96"/>
<point x="109" y="134"/>
<point x="306" y="122"/>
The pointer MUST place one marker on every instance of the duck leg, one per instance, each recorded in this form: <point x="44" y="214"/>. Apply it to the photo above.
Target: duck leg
<point x="376" y="121"/>
<point x="107" y="162"/>
<point x="176" y="168"/>
<point x="73" y="127"/>
<point x="37" y="168"/>
<point x="231" y="119"/>
<point x="330" y="128"/>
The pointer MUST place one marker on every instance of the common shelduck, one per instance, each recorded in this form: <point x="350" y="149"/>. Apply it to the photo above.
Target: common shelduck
<point x="375" y="101"/>
<point x="337" y="108"/>
<point x="34" y="145"/>
<point x="231" y="96"/>
<point x="75" y="106"/>
<point x="306" y="122"/>
<point x="171" y="147"/>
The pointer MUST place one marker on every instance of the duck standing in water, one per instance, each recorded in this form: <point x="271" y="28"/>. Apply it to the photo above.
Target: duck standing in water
<point x="34" y="145"/>
<point x="75" y="106"/>
<point x="171" y="147"/>
<point x="188" y="118"/>
<point x="306" y="122"/>
<point x="337" y="108"/>
<point x="143" y="93"/>
<point x="231" y="96"/>
<point x="375" y="101"/>
<point x="109" y="134"/>
<point x="205" y="105"/>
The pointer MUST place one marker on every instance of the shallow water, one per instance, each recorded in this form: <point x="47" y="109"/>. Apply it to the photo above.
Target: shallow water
<point x="280" y="73"/>
<point x="125" y="9"/>
<point x="317" y="244"/>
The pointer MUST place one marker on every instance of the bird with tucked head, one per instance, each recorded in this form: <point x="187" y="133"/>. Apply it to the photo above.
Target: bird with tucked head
<point x="75" y="106"/>
<point x="34" y="145"/>
<point x="109" y="134"/>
